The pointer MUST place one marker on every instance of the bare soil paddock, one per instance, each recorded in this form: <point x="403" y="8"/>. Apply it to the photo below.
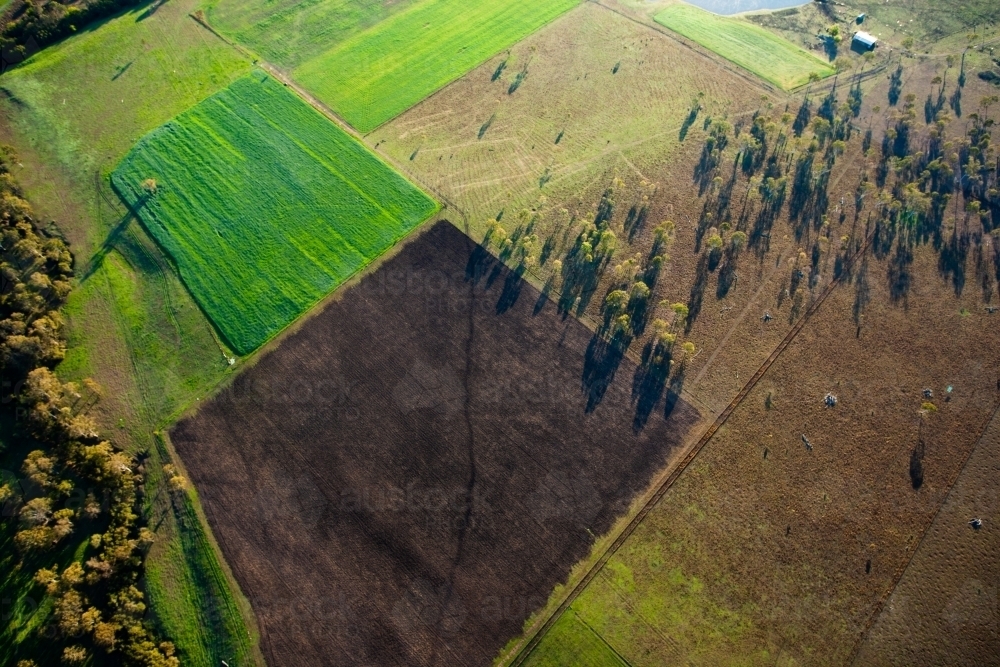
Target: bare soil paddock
<point x="405" y="479"/>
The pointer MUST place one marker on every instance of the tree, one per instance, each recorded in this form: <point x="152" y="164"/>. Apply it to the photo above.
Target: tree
<point x="616" y="300"/>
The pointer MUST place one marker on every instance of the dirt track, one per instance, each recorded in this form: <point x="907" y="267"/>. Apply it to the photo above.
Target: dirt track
<point x="404" y="479"/>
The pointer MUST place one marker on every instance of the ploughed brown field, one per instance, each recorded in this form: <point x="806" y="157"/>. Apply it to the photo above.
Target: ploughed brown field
<point x="407" y="477"/>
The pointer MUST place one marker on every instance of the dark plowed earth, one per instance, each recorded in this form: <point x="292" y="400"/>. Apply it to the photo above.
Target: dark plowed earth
<point x="404" y="480"/>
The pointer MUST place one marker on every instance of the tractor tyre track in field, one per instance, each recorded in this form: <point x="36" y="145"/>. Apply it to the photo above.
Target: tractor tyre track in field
<point x="522" y="653"/>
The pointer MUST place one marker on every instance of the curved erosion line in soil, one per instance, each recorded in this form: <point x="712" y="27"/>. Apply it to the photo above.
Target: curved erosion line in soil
<point x="522" y="654"/>
<point x="905" y="565"/>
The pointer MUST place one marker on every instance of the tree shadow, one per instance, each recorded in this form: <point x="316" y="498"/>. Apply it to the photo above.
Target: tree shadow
<point x="862" y="291"/>
<point x="121" y="70"/>
<point x="601" y="361"/>
<point x="917" y="465"/>
<point x="648" y="383"/>
<point x="674" y="391"/>
<point x="895" y="85"/>
<point x="109" y="243"/>
<point x="951" y="261"/>
<point x="697" y="295"/>
<point x="899" y="275"/>
<point x="511" y="289"/>
<point x="479" y="265"/>
<point x="727" y="274"/>
<point x="543" y="296"/>
<point x="635" y="221"/>
<point x="688" y="122"/>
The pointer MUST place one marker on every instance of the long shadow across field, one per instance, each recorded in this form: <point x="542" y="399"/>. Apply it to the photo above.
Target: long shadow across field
<point x="405" y="479"/>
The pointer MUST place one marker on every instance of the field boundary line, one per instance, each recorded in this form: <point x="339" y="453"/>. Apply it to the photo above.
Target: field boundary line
<point x="880" y="605"/>
<point x="601" y="638"/>
<point x="522" y="653"/>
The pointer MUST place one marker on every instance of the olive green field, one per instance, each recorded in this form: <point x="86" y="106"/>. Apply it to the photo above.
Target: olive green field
<point x="287" y="33"/>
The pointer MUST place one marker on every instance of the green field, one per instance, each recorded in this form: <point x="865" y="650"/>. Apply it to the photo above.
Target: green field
<point x="264" y="205"/>
<point x="379" y="73"/>
<point x="290" y="32"/>
<point x="751" y="47"/>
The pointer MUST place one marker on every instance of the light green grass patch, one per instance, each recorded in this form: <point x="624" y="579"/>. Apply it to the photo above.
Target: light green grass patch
<point x="381" y="72"/>
<point x="751" y="47"/>
<point x="571" y="642"/>
<point x="290" y="32"/>
<point x="264" y="205"/>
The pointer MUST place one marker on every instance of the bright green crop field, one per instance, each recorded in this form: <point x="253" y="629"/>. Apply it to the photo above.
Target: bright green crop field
<point x="290" y="32"/>
<point x="751" y="47"/>
<point x="264" y="205"/>
<point x="383" y="71"/>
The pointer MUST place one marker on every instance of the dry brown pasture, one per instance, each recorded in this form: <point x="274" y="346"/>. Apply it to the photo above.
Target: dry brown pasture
<point x="405" y="478"/>
<point x="944" y="609"/>
<point x="764" y="552"/>
<point x="767" y="552"/>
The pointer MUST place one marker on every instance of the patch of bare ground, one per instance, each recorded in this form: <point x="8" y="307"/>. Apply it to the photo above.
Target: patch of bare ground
<point x="406" y="477"/>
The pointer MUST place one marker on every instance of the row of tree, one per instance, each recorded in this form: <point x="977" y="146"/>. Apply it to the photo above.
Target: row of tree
<point x="74" y="482"/>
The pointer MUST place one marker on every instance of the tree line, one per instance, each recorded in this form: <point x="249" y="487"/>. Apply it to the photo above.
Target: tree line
<point x="75" y="483"/>
<point x="30" y="26"/>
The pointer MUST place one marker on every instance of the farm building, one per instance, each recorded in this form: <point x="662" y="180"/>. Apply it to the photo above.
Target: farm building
<point x="865" y="40"/>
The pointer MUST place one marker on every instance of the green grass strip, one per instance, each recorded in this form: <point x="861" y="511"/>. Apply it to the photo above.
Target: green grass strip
<point x="264" y="205"/>
<point x="767" y="55"/>
<point x="379" y="73"/>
